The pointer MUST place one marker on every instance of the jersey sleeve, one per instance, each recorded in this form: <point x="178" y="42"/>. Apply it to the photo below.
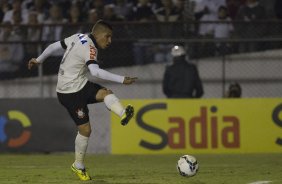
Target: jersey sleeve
<point x="103" y="74"/>
<point x="49" y="50"/>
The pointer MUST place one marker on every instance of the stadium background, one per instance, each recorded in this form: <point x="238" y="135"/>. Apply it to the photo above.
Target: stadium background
<point x="140" y="49"/>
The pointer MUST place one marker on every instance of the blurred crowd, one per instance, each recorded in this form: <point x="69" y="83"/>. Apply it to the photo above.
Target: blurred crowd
<point x="30" y="13"/>
<point x="88" y="11"/>
<point x="33" y="12"/>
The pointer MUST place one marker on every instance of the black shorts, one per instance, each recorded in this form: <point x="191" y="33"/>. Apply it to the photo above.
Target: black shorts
<point x="76" y="103"/>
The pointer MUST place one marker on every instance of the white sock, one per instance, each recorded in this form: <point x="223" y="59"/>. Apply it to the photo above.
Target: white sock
<point x="113" y="103"/>
<point x="81" y="143"/>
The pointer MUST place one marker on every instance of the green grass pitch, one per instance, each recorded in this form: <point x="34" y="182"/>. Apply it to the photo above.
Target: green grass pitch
<point x="141" y="169"/>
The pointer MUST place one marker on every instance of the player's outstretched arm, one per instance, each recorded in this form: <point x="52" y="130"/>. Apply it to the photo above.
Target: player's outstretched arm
<point x="129" y="80"/>
<point x="96" y="71"/>
<point x="45" y="54"/>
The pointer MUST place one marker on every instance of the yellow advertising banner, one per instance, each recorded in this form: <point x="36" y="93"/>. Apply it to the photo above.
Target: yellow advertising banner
<point x="200" y="126"/>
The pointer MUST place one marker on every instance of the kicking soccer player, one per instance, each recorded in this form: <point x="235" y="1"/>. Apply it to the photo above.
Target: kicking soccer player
<point x="74" y="91"/>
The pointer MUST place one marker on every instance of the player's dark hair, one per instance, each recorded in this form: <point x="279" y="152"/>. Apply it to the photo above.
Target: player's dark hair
<point x="101" y="23"/>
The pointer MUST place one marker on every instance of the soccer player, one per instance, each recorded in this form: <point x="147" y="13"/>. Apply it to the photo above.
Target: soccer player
<point x="74" y="91"/>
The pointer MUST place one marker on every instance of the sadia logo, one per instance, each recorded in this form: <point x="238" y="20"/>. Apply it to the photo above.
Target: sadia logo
<point x="203" y="129"/>
<point x="24" y="134"/>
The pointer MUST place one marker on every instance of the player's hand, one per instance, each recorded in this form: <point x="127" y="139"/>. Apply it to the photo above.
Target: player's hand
<point x="32" y="62"/>
<point x="129" y="80"/>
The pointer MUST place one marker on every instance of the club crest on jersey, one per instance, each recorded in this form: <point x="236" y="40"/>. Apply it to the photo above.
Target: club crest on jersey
<point x="80" y="113"/>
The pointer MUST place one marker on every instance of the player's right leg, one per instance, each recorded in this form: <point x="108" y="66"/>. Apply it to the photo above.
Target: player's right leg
<point x="127" y="115"/>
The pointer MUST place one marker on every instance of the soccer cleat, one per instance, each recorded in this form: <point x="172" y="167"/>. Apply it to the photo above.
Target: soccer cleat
<point x="81" y="173"/>
<point x="128" y="114"/>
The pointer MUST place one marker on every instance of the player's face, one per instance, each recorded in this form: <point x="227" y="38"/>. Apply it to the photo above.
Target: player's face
<point x="104" y="39"/>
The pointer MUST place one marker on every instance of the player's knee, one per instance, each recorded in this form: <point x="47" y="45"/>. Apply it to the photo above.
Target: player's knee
<point x="84" y="130"/>
<point x="87" y="132"/>
<point x="107" y="92"/>
<point x="102" y="93"/>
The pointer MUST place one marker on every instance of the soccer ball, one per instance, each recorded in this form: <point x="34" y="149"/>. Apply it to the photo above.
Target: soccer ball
<point x="187" y="165"/>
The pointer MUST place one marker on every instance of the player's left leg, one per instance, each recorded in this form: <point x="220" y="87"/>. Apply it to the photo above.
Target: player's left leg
<point x="81" y="143"/>
<point x="76" y="104"/>
<point x="113" y="103"/>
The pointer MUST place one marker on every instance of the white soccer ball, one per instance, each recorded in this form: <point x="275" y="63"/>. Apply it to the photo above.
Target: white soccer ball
<point x="187" y="165"/>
